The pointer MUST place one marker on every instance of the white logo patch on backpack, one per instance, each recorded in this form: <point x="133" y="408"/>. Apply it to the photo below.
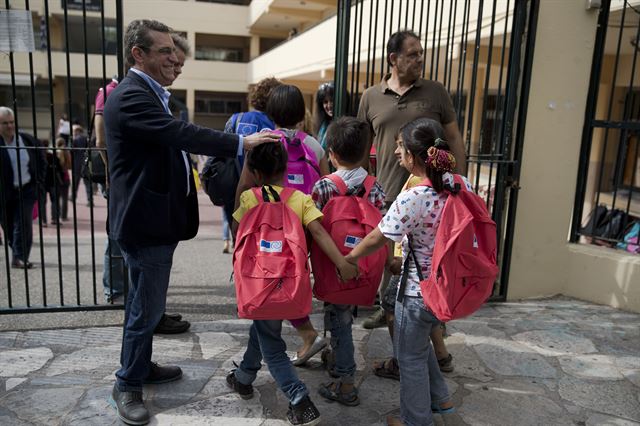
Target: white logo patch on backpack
<point x="271" y="246"/>
<point x="296" y="179"/>
<point x="350" y="241"/>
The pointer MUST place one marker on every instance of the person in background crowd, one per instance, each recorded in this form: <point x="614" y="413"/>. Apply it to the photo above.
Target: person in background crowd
<point x="324" y="111"/>
<point x="64" y="159"/>
<point x="80" y="140"/>
<point x="22" y="170"/>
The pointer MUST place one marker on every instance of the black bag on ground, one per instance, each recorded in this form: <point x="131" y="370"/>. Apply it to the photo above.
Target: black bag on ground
<point x="220" y="177"/>
<point x="605" y="223"/>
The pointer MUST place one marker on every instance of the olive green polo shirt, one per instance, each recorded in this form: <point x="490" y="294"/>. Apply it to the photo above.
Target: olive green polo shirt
<point x="386" y="112"/>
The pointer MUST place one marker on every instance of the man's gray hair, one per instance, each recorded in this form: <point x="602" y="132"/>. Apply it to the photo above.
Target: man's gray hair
<point x="137" y="34"/>
<point x="181" y="43"/>
<point x="6" y="111"/>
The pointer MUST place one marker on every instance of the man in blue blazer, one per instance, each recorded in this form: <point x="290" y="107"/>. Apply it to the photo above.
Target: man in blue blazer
<point x="153" y="203"/>
<point x="21" y="171"/>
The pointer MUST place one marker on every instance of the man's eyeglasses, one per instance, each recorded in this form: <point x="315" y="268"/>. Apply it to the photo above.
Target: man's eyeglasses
<point x="163" y="51"/>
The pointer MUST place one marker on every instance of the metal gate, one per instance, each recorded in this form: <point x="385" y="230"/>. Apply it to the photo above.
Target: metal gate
<point x="481" y="51"/>
<point x="608" y="186"/>
<point x="49" y="78"/>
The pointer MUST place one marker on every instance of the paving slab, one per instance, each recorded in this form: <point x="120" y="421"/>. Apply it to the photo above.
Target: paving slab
<point x="543" y="362"/>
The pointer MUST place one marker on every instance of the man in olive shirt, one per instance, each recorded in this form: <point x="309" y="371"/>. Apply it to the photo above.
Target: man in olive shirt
<point x="400" y="98"/>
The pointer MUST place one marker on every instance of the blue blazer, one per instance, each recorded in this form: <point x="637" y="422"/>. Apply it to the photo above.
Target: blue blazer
<point x="148" y="200"/>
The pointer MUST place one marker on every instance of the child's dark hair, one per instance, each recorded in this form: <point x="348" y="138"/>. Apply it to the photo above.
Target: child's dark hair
<point x="348" y="137"/>
<point x="420" y="135"/>
<point x="286" y="106"/>
<point x="270" y="159"/>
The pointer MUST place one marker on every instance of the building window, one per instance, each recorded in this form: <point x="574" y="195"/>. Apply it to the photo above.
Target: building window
<point x="94" y="35"/>
<point x="212" y="103"/>
<point x="213" y="47"/>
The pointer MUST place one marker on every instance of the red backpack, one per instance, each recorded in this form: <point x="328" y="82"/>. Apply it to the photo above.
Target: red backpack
<point x="463" y="265"/>
<point x="348" y="219"/>
<point x="270" y="265"/>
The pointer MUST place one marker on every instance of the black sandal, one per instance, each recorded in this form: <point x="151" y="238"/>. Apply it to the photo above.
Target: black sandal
<point x="388" y="369"/>
<point x="331" y="393"/>
<point x="446" y="364"/>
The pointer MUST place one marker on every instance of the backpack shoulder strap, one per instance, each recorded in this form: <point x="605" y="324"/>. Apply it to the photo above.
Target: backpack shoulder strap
<point x="338" y="182"/>
<point x="238" y="117"/>
<point x="405" y="270"/>
<point x="300" y="135"/>
<point x="368" y="183"/>
<point x="286" y="194"/>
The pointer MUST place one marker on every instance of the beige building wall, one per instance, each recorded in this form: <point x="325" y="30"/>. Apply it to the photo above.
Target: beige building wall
<point x="544" y="262"/>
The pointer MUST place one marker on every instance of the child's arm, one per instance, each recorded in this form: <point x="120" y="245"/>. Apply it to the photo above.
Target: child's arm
<point x="367" y="246"/>
<point x="321" y="237"/>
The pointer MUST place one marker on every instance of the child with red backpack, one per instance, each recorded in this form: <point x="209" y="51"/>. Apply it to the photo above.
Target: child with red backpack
<point x="272" y="274"/>
<point x="306" y="162"/>
<point x="413" y="219"/>
<point x="351" y="201"/>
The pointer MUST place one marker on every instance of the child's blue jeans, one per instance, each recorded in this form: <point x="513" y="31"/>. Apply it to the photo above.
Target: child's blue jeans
<point x="421" y="383"/>
<point x="339" y="320"/>
<point x="265" y="340"/>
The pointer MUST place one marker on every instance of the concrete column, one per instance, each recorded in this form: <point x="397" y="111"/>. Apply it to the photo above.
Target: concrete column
<point x="191" y="103"/>
<point x="254" y="47"/>
<point x="559" y="84"/>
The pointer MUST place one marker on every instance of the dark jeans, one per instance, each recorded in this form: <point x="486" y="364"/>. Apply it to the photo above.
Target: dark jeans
<point x="114" y="270"/>
<point x="339" y="320"/>
<point x="265" y="340"/>
<point x="149" y="270"/>
<point x="16" y="221"/>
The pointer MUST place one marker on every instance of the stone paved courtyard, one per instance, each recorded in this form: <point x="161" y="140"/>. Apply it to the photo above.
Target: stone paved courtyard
<point x="545" y="362"/>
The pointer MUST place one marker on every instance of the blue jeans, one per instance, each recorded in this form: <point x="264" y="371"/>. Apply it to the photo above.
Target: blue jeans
<point x="113" y="272"/>
<point x="149" y="269"/>
<point x="265" y="341"/>
<point x="18" y="219"/>
<point x="420" y="377"/>
<point x="339" y="319"/>
<point x="225" y="227"/>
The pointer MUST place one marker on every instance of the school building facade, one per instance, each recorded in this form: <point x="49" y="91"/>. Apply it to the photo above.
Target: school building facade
<point x="571" y="76"/>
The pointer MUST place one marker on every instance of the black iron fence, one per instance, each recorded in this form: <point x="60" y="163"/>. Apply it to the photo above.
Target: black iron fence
<point x="481" y="51"/>
<point x="607" y="204"/>
<point x="64" y="270"/>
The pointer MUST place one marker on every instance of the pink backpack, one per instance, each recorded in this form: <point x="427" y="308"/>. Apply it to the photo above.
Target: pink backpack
<point x="463" y="266"/>
<point x="270" y="265"/>
<point x="302" y="168"/>
<point x="348" y="219"/>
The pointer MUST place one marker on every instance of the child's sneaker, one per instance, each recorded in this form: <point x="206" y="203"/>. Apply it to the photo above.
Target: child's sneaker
<point x="245" y="391"/>
<point x="303" y="413"/>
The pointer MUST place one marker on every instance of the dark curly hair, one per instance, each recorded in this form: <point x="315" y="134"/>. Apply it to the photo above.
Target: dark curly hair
<point x="259" y="93"/>
<point x="420" y="135"/>
<point x="270" y="159"/>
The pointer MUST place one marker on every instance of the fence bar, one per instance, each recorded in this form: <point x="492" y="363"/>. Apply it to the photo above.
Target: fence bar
<point x="590" y="111"/>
